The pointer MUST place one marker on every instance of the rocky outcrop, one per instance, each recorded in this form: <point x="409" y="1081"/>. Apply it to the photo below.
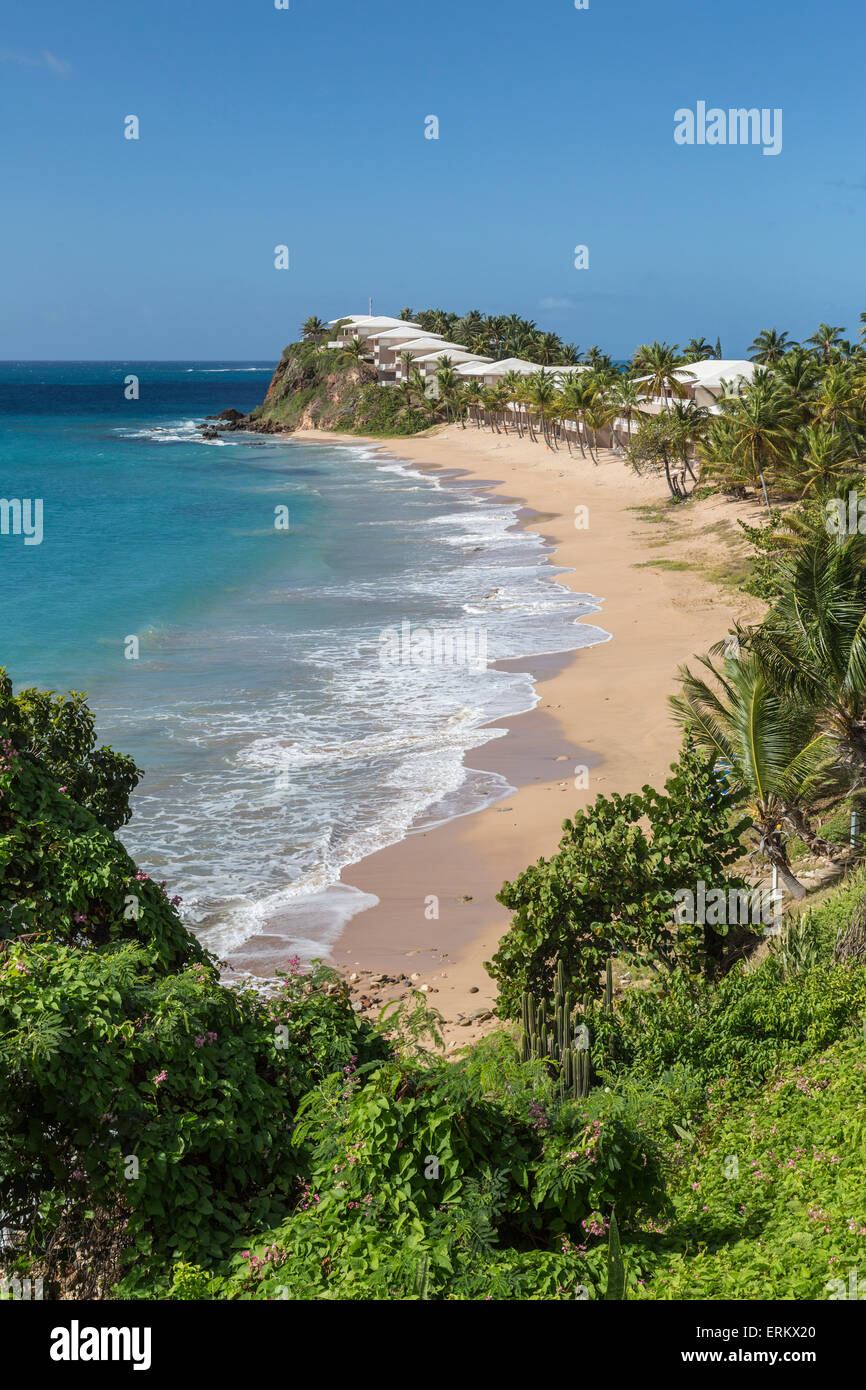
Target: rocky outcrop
<point x="317" y="388"/>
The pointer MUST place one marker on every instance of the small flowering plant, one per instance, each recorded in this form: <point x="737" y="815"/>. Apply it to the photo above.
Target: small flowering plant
<point x="596" y="1157"/>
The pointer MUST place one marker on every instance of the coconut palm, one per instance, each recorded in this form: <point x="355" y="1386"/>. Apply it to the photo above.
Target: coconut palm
<point x="356" y="351"/>
<point x="628" y="403"/>
<point x="542" y="394"/>
<point x="781" y="764"/>
<point x="314" y="328"/>
<point x="472" y="398"/>
<point x="548" y="347"/>
<point x="799" y="374"/>
<point x="825" y="341"/>
<point x="514" y="387"/>
<point x="491" y="400"/>
<point x="570" y="355"/>
<point x="838" y="403"/>
<point x="598" y="413"/>
<point x="574" y="395"/>
<point x="691" y="421"/>
<point x="698" y="350"/>
<point x="770" y="347"/>
<point x="661" y="364"/>
<point x="812" y="643"/>
<point x="764" y="422"/>
<point x="418" y="389"/>
<point x="821" y="458"/>
<point x="447" y="383"/>
<point x="406" y="360"/>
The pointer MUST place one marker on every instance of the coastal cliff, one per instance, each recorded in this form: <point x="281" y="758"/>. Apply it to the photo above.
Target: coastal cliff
<point x="316" y="387"/>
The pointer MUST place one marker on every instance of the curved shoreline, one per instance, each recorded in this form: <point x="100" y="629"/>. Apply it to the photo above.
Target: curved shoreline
<point x="601" y="708"/>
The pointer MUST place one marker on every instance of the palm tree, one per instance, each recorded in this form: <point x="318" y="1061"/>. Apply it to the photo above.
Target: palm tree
<point x="780" y="765"/>
<point x="838" y="403"/>
<point x="491" y="399"/>
<point x="825" y="341"/>
<point x="573" y="397"/>
<point x="418" y="389"/>
<point x="824" y="456"/>
<point x="691" y="421"/>
<point x="763" y="422"/>
<point x="570" y="354"/>
<point x="548" y="347"/>
<point x="812" y="643"/>
<point x="473" y="398"/>
<point x="628" y="402"/>
<point x="542" y="394"/>
<point x="597" y="415"/>
<point x="406" y="360"/>
<point x="448" y="383"/>
<point x="512" y="331"/>
<point x="799" y="374"/>
<point x="514" y="386"/>
<point x="697" y="350"/>
<point x="770" y="347"/>
<point x="662" y="365"/>
<point x="406" y="315"/>
<point x="356" y="351"/>
<point x="314" y="327"/>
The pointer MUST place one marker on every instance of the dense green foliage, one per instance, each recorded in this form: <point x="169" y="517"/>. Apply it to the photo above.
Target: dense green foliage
<point x="611" y="888"/>
<point x="162" y="1135"/>
<point x="57" y="734"/>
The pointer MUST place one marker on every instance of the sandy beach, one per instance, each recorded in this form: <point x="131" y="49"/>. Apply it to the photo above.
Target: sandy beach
<point x="664" y="579"/>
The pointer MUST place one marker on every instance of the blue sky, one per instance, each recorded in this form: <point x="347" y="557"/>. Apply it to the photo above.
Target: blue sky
<point x="306" y="127"/>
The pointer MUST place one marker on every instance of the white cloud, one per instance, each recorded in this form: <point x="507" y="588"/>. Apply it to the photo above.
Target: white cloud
<point x="551" y="303"/>
<point x="47" y="60"/>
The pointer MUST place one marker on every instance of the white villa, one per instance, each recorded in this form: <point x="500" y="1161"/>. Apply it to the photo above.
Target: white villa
<point x="428" y="346"/>
<point x="428" y="365"/>
<point x="364" y="326"/>
<point x="387" y="340"/>
<point x="706" y="382"/>
<point x="389" y="344"/>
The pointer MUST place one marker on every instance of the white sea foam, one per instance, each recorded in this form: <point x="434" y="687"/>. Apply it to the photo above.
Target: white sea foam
<point x="330" y="755"/>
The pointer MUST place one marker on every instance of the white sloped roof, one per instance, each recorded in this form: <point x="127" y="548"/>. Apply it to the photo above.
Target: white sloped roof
<point x="511" y="364"/>
<point x="428" y="344"/>
<point x="476" y="367"/>
<point x="456" y="355"/>
<point x="377" y="321"/>
<point x="712" y="371"/>
<point x="406" y="330"/>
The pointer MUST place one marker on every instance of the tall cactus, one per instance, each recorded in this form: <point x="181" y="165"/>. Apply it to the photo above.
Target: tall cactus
<point x="557" y="1035"/>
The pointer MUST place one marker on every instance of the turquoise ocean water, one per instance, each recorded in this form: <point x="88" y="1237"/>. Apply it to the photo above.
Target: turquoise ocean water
<point x="278" y="747"/>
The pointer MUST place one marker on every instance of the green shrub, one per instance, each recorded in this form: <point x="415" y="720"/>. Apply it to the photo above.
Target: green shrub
<point x="744" y="1027"/>
<point x="611" y="888"/>
<point x="57" y="734"/>
<point x="167" y="1099"/>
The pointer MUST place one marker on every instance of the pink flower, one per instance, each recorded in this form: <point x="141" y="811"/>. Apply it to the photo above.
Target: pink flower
<point x="160" y="1077"/>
